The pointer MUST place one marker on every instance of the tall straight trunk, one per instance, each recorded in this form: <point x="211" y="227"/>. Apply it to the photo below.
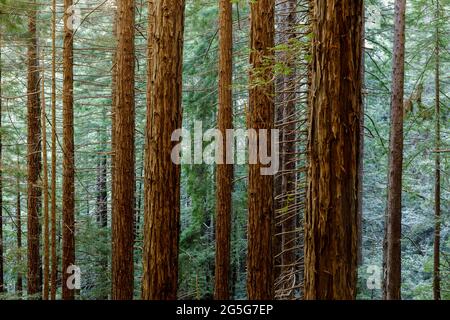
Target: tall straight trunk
<point x="140" y="194"/>
<point x="279" y="107"/>
<point x="102" y="193"/>
<point x="361" y="143"/>
<point x="162" y="176"/>
<point x="124" y="175"/>
<point x="288" y="181"/>
<point x="394" y="202"/>
<point x="102" y="219"/>
<point x="113" y="108"/>
<point x="46" y="259"/>
<point x="68" y="203"/>
<point x="54" y="258"/>
<point x="224" y="173"/>
<point x="33" y="159"/>
<point x="278" y="179"/>
<point x="260" y="282"/>
<point x="437" y="177"/>
<point x="1" y="174"/>
<point x="19" y="280"/>
<point x="331" y="236"/>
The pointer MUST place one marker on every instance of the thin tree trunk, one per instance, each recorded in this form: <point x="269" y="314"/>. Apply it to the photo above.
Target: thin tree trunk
<point x="140" y="195"/>
<point x="102" y="193"/>
<point x="113" y="110"/>
<point x="68" y="205"/>
<point x="437" y="182"/>
<point x="46" y="270"/>
<point x="124" y="175"/>
<point x="278" y="179"/>
<point x="394" y="204"/>
<point x="19" y="281"/>
<point x="288" y="184"/>
<point x="33" y="160"/>
<point x="224" y="171"/>
<point x="331" y="236"/>
<point x="260" y="282"/>
<point x="54" y="269"/>
<point x="102" y="218"/>
<point x="361" y="145"/>
<point x="162" y="176"/>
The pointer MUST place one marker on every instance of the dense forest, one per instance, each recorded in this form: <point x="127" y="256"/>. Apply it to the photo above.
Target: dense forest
<point x="229" y="149"/>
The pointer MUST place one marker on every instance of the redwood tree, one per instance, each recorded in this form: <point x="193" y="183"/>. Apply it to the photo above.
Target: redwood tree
<point x="19" y="278"/>
<point x="68" y="203"/>
<point x="33" y="158"/>
<point x="260" y="187"/>
<point x="224" y="173"/>
<point x="46" y="253"/>
<point x="54" y="269"/>
<point x="335" y="101"/>
<point x="162" y="176"/>
<point x="394" y="201"/>
<point x="288" y="147"/>
<point x="124" y="176"/>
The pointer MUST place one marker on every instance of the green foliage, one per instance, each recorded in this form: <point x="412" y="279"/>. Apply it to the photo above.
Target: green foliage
<point x="418" y="175"/>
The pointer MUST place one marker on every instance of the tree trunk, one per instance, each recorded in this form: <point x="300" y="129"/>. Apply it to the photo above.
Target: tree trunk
<point x="102" y="218"/>
<point x="288" y="184"/>
<point x="394" y="204"/>
<point x="162" y="176"/>
<point x="102" y="193"/>
<point x="68" y="205"/>
<point x="54" y="258"/>
<point x="437" y="177"/>
<point x="113" y="108"/>
<point x="277" y="187"/>
<point x="331" y="236"/>
<point x="224" y="171"/>
<point x="124" y="175"/>
<point x="361" y="144"/>
<point x="260" y="282"/>
<point x="19" y="281"/>
<point x="46" y="270"/>
<point x="140" y="195"/>
<point x="33" y="161"/>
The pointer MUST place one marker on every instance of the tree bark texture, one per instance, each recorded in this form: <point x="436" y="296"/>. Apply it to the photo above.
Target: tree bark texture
<point x="46" y="267"/>
<point x="68" y="202"/>
<point x="33" y="161"/>
<point x="224" y="173"/>
<point x="260" y="275"/>
<point x="394" y="201"/>
<point x="54" y="258"/>
<point x="162" y="176"/>
<point x="124" y="175"/>
<point x="331" y="236"/>
<point x="288" y="147"/>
